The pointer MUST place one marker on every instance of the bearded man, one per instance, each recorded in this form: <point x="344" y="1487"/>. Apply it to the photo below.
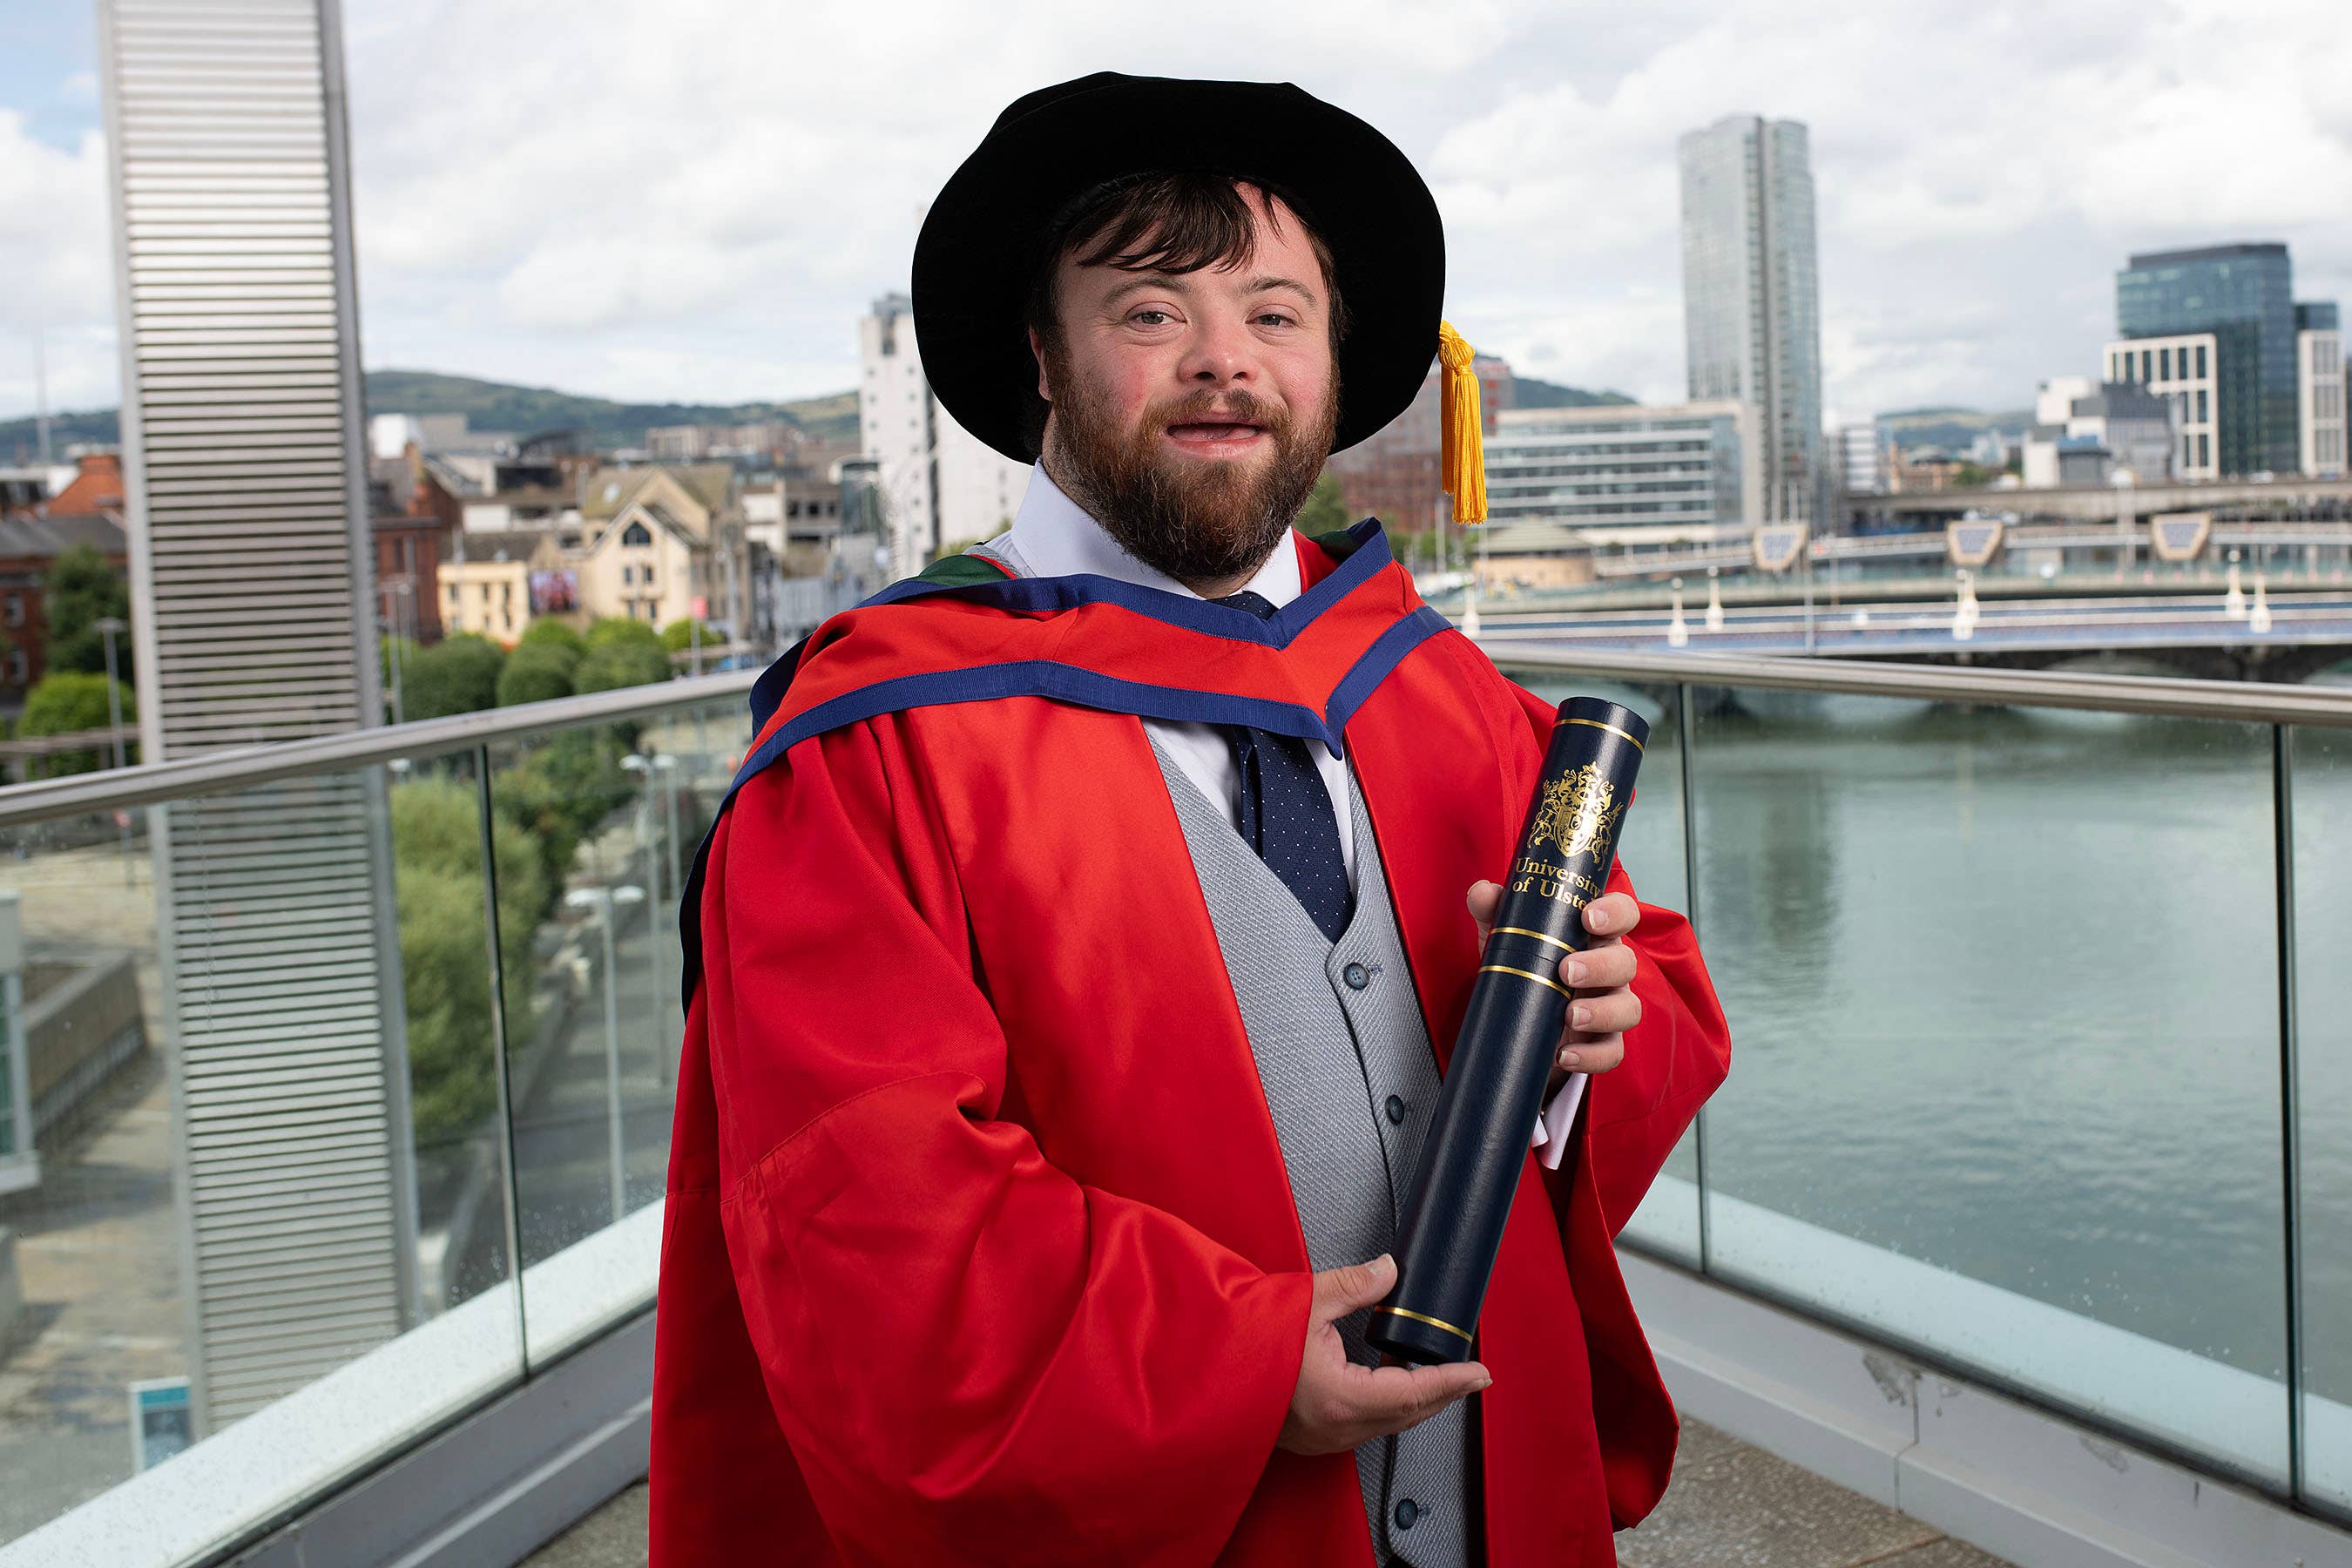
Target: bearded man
<point x="1076" y="956"/>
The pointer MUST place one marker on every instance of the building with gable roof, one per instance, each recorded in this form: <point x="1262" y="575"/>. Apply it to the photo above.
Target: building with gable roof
<point x="653" y="540"/>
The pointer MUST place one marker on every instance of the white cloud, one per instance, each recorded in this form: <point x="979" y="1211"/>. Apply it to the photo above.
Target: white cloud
<point x="57" y="260"/>
<point x="698" y="198"/>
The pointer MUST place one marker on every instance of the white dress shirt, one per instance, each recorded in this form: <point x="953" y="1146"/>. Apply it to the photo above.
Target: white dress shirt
<point x="1054" y="537"/>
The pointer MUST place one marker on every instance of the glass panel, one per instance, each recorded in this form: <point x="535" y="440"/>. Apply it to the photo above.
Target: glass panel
<point x="2005" y="1079"/>
<point x="264" y="1226"/>
<point x="598" y="824"/>
<point x="1651" y="849"/>
<point x="2323" y="934"/>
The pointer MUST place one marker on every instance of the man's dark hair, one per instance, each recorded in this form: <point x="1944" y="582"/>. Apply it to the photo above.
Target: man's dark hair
<point x="1159" y="222"/>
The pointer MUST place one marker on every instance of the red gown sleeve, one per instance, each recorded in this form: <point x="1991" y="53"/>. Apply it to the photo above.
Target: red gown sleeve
<point x="1674" y="1058"/>
<point x="973" y="1356"/>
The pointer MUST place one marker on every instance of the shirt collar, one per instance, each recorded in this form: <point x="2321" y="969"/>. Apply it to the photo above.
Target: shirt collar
<point x="1054" y="536"/>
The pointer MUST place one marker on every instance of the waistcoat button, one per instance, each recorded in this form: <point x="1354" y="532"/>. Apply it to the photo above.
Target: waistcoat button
<point x="1406" y="1512"/>
<point x="1356" y="976"/>
<point x="1395" y="1108"/>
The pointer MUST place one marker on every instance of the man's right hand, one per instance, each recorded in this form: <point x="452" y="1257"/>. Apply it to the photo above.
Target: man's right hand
<point x="1339" y="1402"/>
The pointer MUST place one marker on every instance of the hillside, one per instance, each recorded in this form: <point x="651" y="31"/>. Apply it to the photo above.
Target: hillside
<point x="1527" y="392"/>
<point x="498" y="405"/>
<point x="1950" y="428"/>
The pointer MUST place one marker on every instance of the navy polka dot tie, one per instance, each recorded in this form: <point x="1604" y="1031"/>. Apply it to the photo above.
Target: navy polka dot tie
<point x="1285" y="812"/>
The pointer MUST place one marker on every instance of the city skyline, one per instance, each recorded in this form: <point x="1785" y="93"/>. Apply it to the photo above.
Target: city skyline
<point x="1970" y="223"/>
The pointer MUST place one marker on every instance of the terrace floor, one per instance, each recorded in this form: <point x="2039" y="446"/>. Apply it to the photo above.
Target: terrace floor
<point x="1730" y="1505"/>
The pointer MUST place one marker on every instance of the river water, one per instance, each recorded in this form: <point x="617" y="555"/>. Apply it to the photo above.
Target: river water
<point x="2003" y="987"/>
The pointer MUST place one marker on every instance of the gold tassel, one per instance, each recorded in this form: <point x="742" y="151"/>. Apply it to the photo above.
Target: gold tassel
<point x="1463" y="473"/>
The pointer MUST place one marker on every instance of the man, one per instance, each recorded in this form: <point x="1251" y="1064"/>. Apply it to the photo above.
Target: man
<point x="1078" y="951"/>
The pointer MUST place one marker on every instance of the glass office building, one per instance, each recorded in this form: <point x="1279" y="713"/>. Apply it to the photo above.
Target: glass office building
<point x="1617" y="467"/>
<point x="2244" y="296"/>
<point x="1751" y="297"/>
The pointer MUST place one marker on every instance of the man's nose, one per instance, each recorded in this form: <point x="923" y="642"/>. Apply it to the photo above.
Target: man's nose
<point x="1221" y="353"/>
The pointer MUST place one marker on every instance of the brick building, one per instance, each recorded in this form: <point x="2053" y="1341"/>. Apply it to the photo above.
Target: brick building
<point x="1394" y="474"/>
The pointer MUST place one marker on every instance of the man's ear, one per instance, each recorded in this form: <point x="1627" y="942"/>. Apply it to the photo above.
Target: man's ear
<point x="1037" y="352"/>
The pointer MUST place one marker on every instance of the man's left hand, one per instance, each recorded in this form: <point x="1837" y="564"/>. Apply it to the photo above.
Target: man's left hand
<point x="1602" y="1005"/>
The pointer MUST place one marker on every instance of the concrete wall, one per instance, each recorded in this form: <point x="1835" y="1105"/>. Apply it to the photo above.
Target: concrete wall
<point x="79" y="1026"/>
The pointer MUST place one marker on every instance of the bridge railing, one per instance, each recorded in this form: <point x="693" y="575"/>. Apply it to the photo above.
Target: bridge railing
<point x="2042" y="1024"/>
<point x="2041" y="1070"/>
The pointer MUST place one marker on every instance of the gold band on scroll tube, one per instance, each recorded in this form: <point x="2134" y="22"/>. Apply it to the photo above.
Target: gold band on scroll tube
<point x="1612" y="729"/>
<point x="1524" y="975"/>
<point x="1522" y="931"/>
<point x="1425" y="1317"/>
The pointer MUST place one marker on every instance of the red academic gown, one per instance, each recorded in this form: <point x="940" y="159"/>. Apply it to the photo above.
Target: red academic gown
<point x="979" y="1245"/>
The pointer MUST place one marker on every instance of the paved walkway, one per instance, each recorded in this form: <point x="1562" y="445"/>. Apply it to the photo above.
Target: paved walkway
<point x="1730" y="1505"/>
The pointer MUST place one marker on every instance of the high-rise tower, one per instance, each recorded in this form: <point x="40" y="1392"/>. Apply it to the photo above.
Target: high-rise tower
<point x="2239" y="302"/>
<point x="1751" y="300"/>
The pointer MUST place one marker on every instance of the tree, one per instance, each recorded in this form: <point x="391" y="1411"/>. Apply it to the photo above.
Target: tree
<point x="621" y="653"/>
<point x="607" y="630"/>
<point x="456" y="675"/>
<point x="82" y="589"/>
<point x="680" y="636"/>
<point x="537" y="672"/>
<point x="548" y="633"/>
<point x="69" y="702"/>
<point x="437" y="889"/>
<point x="1326" y="508"/>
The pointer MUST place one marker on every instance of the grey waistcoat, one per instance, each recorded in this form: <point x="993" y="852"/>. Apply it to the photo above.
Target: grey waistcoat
<point x="1349" y="1074"/>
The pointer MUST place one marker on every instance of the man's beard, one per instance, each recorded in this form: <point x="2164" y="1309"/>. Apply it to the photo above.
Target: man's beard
<point x="1199" y="520"/>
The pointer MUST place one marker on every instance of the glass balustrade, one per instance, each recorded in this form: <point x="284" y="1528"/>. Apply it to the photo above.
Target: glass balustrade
<point x="304" y="1158"/>
<point x="2009" y="1087"/>
<point x="2322" y="812"/>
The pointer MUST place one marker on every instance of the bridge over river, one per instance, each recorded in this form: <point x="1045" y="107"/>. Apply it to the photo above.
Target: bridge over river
<point x="2281" y="635"/>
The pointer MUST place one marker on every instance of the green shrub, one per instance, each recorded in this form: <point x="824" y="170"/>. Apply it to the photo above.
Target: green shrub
<point x="66" y="702"/>
<point x="609" y="630"/>
<point x="535" y="672"/>
<point x="678" y="636"/>
<point x="456" y="675"/>
<point x="545" y="632"/>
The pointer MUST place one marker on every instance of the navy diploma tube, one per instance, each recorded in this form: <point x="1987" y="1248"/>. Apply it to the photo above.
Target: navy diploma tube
<point x="1493" y="1093"/>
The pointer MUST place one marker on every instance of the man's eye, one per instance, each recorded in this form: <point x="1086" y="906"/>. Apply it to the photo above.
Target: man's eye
<point x="1276" y="318"/>
<point x="1149" y="317"/>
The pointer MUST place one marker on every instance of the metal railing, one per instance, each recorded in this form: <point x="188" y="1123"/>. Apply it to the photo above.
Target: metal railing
<point x="42" y="800"/>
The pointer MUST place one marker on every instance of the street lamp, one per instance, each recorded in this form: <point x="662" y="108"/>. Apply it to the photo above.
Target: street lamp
<point x="1677" y="629"/>
<point x="603" y="903"/>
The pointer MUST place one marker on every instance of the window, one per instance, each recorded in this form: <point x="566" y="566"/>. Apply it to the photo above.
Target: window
<point x="2204" y="451"/>
<point x="2164" y="365"/>
<point x="636" y="534"/>
<point x="628" y="575"/>
<point x="2147" y="365"/>
<point x="19" y="672"/>
<point x="2202" y="405"/>
<point x="15" y="611"/>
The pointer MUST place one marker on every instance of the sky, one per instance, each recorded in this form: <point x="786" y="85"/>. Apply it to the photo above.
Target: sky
<point x="695" y="200"/>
